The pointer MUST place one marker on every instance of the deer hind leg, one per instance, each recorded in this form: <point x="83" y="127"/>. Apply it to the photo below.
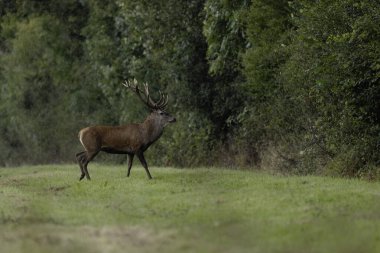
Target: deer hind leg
<point x="130" y="160"/>
<point x="144" y="164"/>
<point x="80" y="158"/>
<point x="89" y="156"/>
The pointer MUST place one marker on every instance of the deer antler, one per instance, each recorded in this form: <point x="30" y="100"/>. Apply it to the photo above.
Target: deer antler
<point x="145" y="97"/>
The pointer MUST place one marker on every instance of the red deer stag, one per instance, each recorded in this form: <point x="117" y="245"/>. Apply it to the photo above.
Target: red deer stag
<point x="130" y="139"/>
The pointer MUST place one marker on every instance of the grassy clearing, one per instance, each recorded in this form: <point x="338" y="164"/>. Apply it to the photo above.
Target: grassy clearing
<point x="45" y="209"/>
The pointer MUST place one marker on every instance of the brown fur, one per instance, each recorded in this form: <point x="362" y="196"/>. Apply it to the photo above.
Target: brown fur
<point x="131" y="139"/>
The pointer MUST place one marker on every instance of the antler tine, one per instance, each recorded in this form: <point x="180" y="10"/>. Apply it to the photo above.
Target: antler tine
<point x="159" y="102"/>
<point x="150" y="102"/>
<point x="133" y="85"/>
<point x="146" y="87"/>
<point x="145" y="96"/>
<point x="163" y="100"/>
<point x="126" y="84"/>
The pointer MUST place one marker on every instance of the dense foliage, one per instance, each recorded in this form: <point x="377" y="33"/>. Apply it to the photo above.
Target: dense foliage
<point x="283" y="85"/>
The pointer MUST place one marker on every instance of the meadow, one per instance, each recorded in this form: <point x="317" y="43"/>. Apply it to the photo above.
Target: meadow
<point x="46" y="209"/>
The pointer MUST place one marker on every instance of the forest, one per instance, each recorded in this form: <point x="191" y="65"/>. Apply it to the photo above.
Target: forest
<point x="290" y="86"/>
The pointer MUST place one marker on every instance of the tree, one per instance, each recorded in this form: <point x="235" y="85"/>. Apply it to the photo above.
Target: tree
<point x="224" y="29"/>
<point x="34" y="84"/>
<point x="334" y="71"/>
<point x="268" y="119"/>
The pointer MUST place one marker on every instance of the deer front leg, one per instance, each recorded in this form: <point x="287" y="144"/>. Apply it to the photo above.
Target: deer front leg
<point x="130" y="160"/>
<point x="140" y="155"/>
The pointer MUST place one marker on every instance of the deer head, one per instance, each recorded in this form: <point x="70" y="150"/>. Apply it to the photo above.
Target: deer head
<point x="158" y="113"/>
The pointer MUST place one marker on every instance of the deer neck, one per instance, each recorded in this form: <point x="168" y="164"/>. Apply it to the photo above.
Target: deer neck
<point x="152" y="129"/>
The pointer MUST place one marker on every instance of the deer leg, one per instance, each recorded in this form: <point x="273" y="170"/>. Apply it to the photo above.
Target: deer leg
<point x="88" y="158"/>
<point x="82" y="159"/>
<point x="130" y="160"/>
<point x="144" y="164"/>
<point x="82" y="162"/>
<point x="79" y="154"/>
<point x="79" y="157"/>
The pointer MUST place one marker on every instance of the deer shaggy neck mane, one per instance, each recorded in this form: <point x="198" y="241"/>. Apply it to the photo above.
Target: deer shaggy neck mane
<point x="153" y="128"/>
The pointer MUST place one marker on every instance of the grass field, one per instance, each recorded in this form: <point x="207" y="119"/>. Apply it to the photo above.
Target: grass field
<point x="46" y="209"/>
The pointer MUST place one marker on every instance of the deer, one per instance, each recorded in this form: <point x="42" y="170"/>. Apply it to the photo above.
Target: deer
<point x="131" y="139"/>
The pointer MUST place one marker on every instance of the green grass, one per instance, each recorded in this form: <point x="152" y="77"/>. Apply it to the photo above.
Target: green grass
<point x="46" y="209"/>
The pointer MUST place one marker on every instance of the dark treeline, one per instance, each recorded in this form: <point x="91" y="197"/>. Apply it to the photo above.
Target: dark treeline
<point x="271" y="84"/>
